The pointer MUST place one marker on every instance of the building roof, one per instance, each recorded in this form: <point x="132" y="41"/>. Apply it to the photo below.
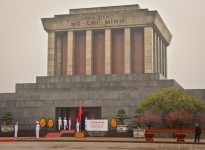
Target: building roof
<point x="108" y="17"/>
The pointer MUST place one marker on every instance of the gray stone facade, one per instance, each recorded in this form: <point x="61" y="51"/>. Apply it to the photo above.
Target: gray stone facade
<point x="33" y="101"/>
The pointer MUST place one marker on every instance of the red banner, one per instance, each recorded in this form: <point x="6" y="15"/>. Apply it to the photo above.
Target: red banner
<point x="80" y="114"/>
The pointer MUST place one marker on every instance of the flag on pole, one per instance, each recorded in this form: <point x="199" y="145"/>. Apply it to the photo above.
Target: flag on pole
<point x="80" y="113"/>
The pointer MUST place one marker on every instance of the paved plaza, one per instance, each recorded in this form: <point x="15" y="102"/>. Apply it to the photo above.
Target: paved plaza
<point x="99" y="146"/>
<point x="98" y="143"/>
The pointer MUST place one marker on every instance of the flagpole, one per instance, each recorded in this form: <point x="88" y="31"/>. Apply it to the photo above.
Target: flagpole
<point x="79" y="116"/>
<point x="81" y="112"/>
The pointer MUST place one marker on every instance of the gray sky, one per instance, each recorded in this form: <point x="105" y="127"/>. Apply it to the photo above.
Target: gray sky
<point x="23" y="42"/>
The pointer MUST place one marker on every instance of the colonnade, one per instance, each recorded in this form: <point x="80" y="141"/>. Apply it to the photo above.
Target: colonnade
<point x="117" y="51"/>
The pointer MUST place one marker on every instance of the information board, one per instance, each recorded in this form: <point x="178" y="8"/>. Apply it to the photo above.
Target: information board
<point x="97" y="125"/>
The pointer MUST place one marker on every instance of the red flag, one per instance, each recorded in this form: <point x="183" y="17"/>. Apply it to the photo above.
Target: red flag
<point x="79" y="113"/>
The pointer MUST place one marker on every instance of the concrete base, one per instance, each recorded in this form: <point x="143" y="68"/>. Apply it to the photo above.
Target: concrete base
<point x="80" y="135"/>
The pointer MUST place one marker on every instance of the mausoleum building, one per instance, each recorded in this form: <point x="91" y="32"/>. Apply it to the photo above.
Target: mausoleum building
<point x="103" y="58"/>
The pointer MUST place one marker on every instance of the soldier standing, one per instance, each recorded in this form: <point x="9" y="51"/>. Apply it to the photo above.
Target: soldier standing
<point x="37" y="129"/>
<point x="16" y="127"/>
<point x="65" y="123"/>
<point x="77" y="125"/>
<point x="86" y="123"/>
<point x="69" y="123"/>
<point x="59" y="123"/>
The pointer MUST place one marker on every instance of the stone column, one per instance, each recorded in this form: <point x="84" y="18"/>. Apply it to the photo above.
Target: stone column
<point x="165" y="61"/>
<point x="162" y="58"/>
<point x="51" y="54"/>
<point x="107" y="51"/>
<point x="155" y="53"/>
<point x="127" y="50"/>
<point x="159" y="55"/>
<point x="58" y="55"/>
<point x="148" y="49"/>
<point x="88" y="52"/>
<point x="70" y="53"/>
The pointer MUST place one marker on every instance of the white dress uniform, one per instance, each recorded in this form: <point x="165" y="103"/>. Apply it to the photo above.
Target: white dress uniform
<point x="77" y="126"/>
<point x="60" y="123"/>
<point x="65" y="124"/>
<point x="16" y="127"/>
<point x="86" y="123"/>
<point x="37" y="129"/>
<point x="69" y="123"/>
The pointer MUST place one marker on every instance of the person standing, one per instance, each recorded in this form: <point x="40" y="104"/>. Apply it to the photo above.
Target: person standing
<point x="197" y="132"/>
<point x="86" y="123"/>
<point x="16" y="128"/>
<point x="69" y="123"/>
<point x="37" y="129"/>
<point x="65" y="123"/>
<point x="59" y="123"/>
<point x="77" y="125"/>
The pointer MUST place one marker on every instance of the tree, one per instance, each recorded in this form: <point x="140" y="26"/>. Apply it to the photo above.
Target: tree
<point x="178" y="118"/>
<point x="168" y="100"/>
<point x="148" y="118"/>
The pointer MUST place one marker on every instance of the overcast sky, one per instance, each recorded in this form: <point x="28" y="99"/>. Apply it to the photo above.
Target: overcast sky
<point x="23" y="41"/>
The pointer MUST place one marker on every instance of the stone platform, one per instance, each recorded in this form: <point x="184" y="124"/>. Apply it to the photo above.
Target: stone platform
<point x="33" y="101"/>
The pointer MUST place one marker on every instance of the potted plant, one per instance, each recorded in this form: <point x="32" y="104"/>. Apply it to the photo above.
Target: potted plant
<point x="178" y="119"/>
<point x="121" y="116"/>
<point x="7" y="122"/>
<point x="149" y="119"/>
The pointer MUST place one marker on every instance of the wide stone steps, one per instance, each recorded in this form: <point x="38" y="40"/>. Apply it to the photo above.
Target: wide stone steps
<point x="96" y="78"/>
<point x="96" y="83"/>
<point x="94" y="86"/>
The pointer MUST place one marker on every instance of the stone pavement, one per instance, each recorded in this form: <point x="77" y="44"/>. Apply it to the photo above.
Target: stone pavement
<point x="102" y="139"/>
<point x="99" y="143"/>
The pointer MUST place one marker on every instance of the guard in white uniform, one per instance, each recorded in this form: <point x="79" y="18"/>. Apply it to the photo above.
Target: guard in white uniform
<point x="16" y="128"/>
<point x="37" y="129"/>
<point x="65" y="123"/>
<point x="86" y="123"/>
<point x="59" y="123"/>
<point x="77" y="126"/>
<point x="69" y="123"/>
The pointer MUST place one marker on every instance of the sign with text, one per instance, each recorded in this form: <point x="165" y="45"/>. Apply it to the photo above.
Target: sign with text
<point x="122" y="128"/>
<point x="7" y="128"/>
<point x="93" y="22"/>
<point x="139" y="132"/>
<point x="97" y="125"/>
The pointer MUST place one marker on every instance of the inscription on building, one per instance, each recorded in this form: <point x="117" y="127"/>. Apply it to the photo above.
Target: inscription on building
<point x="93" y="21"/>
